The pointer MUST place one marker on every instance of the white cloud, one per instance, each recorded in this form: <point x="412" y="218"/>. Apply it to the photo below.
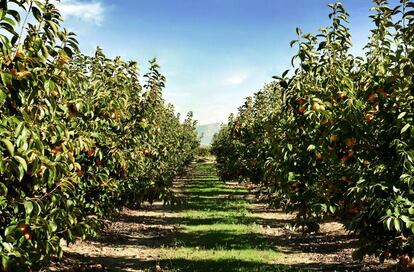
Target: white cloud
<point x="235" y="79"/>
<point x="90" y="11"/>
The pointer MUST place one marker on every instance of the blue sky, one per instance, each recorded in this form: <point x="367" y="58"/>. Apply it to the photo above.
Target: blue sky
<point x="214" y="53"/>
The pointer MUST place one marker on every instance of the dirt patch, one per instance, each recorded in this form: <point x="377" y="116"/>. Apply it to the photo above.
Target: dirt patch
<point x="136" y="240"/>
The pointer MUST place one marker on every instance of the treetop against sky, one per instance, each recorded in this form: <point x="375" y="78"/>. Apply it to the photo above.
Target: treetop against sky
<point x="214" y="53"/>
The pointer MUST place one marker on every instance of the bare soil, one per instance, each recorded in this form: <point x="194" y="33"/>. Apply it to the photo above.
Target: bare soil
<point x="135" y="240"/>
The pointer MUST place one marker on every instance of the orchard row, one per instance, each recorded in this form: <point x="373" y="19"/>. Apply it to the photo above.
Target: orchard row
<point x="335" y="137"/>
<point x="80" y="137"/>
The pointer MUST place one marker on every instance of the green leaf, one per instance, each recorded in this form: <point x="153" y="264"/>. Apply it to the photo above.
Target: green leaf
<point x="37" y="208"/>
<point x="19" y="129"/>
<point x="51" y="175"/>
<point x="9" y="230"/>
<point x="397" y="225"/>
<point x="311" y="147"/>
<point x="401" y="115"/>
<point x="5" y="262"/>
<point x="6" y="78"/>
<point x="404" y="129"/>
<point x="22" y="162"/>
<point x="291" y="176"/>
<point x="28" y="206"/>
<point x="53" y="26"/>
<point x="405" y="218"/>
<point x="49" y="86"/>
<point x="9" y="146"/>
<point x="389" y="223"/>
<point x="52" y="226"/>
<point x="409" y="13"/>
<point x="3" y="96"/>
<point x="15" y="14"/>
<point x="7" y="246"/>
<point x="37" y="13"/>
<point x="72" y="219"/>
<point x="3" y="188"/>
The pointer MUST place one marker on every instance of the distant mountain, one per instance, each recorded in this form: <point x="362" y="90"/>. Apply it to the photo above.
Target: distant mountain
<point x="206" y="132"/>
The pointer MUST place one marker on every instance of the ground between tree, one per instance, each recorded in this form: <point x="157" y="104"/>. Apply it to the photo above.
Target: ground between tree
<point x="217" y="227"/>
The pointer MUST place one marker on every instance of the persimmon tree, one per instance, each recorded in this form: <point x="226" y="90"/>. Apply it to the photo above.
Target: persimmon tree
<point x="80" y="137"/>
<point x="339" y="139"/>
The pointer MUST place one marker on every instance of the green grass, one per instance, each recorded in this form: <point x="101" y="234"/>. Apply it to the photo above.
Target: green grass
<point x="217" y="233"/>
<point x="205" y="170"/>
<point x="247" y="255"/>
<point x="226" y="264"/>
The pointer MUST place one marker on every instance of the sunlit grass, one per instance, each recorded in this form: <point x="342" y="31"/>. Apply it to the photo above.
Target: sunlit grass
<point x="247" y="255"/>
<point x="217" y="232"/>
<point x="232" y="228"/>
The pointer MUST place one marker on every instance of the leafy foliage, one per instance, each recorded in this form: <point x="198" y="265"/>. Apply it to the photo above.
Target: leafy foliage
<point x="335" y="137"/>
<point x="79" y="137"/>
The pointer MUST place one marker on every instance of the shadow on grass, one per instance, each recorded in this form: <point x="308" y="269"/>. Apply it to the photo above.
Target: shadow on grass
<point x="229" y="240"/>
<point x="118" y="264"/>
<point x="209" y="205"/>
<point x="204" y="169"/>
<point x="188" y="234"/>
<point x="219" y="200"/>
<point x="210" y="220"/>
<point x="232" y="193"/>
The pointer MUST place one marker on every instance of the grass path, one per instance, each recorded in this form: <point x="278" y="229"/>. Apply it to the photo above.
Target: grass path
<point x="217" y="228"/>
<point x="218" y="232"/>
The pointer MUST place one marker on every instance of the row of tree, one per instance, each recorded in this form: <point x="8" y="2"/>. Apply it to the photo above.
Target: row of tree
<point x="80" y="137"/>
<point x="335" y="137"/>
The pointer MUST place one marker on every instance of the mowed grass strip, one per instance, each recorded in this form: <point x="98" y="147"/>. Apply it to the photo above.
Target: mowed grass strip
<point x="225" y="255"/>
<point x="217" y="233"/>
